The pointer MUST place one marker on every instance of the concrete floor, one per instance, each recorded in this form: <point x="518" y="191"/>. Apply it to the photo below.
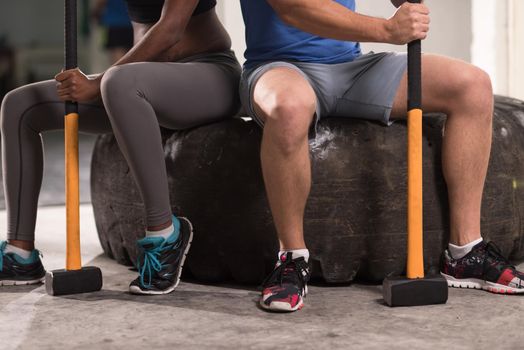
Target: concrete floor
<point x="200" y="316"/>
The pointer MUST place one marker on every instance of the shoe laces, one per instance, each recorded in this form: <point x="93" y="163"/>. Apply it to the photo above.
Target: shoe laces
<point x="151" y="262"/>
<point x="295" y="271"/>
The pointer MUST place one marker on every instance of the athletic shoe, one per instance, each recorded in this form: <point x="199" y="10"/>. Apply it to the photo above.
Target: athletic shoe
<point x="15" y="270"/>
<point x="161" y="261"/>
<point x="483" y="268"/>
<point x="285" y="288"/>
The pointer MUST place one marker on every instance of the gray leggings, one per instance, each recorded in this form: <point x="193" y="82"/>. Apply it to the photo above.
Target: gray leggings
<point x="136" y="99"/>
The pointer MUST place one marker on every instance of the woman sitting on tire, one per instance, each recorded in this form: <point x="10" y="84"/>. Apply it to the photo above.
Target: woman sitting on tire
<point x="180" y="73"/>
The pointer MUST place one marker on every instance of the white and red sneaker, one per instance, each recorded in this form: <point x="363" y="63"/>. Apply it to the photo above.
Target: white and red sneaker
<point x="483" y="268"/>
<point x="285" y="288"/>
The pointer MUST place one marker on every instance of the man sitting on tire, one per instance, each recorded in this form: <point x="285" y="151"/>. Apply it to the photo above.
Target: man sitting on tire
<point x="304" y="63"/>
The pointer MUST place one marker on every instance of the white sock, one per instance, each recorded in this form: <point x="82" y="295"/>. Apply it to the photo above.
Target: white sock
<point x="296" y="254"/>
<point x="460" y="251"/>
<point x="164" y="233"/>
<point x="18" y="251"/>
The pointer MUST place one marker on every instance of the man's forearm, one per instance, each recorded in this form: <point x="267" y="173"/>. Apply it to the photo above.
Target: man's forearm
<point x="329" y="19"/>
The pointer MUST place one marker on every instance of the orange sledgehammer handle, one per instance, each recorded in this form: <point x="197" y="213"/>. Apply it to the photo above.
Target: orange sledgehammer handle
<point x="73" y="261"/>
<point x="415" y="264"/>
<point x="73" y="257"/>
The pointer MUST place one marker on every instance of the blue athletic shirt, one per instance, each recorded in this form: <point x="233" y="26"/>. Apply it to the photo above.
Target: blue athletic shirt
<point x="270" y="39"/>
<point x="115" y="14"/>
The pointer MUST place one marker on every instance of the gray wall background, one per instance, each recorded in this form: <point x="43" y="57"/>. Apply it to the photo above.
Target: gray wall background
<point x="32" y="22"/>
<point x="36" y="29"/>
<point x="450" y="31"/>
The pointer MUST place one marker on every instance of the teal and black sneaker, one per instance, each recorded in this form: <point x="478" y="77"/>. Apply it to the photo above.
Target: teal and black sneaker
<point x="15" y="270"/>
<point x="161" y="260"/>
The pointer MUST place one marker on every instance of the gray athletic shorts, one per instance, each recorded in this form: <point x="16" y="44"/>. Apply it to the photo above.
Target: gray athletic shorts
<point x="364" y="88"/>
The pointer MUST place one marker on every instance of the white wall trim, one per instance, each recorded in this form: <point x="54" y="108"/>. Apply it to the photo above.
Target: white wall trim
<point x="516" y="48"/>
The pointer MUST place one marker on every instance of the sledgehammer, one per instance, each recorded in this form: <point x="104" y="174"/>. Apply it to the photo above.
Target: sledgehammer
<point x="73" y="279"/>
<point x="415" y="289"/>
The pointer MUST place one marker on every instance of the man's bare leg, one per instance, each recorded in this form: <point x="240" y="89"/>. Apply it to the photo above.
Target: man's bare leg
<point x="464" y="93"/>
<point x="286" y="102"/>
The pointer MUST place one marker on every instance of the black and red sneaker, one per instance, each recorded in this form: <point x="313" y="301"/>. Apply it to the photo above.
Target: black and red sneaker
<point x="285" y="288"/>
<point x="483" y="268"/>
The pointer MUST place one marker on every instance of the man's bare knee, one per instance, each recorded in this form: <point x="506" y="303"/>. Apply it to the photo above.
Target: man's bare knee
<point x="281" y="92"/>
<point x="287" y="122"/>
<point x="474" y="93"/>
<point x="287" y="103"/>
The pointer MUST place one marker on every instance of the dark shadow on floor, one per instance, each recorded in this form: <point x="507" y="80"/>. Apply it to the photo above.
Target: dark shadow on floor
<point x="228" y="298"/>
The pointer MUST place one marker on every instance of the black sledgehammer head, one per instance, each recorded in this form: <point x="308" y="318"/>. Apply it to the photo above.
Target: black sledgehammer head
<point x="65" y="282"/>
<point x="402" y="291"/>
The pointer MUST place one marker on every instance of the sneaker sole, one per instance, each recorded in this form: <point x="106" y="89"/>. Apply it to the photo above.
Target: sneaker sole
<point x="137" y="290"/>
<point x="282" y="306"/>
<point x="21" y="283"/>
<point x="474" y="283"/>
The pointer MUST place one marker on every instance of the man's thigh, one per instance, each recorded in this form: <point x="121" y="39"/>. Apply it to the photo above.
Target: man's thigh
<point x="278" y="86"/>
<point x="365" y="88"/>
<point x="444" y="80"/>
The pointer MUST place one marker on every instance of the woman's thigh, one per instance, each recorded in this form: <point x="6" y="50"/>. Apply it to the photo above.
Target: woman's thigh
<point x="184" y="95"/>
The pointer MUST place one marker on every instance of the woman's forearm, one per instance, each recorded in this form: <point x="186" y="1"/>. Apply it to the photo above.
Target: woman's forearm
<point x="162" y="36"/>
